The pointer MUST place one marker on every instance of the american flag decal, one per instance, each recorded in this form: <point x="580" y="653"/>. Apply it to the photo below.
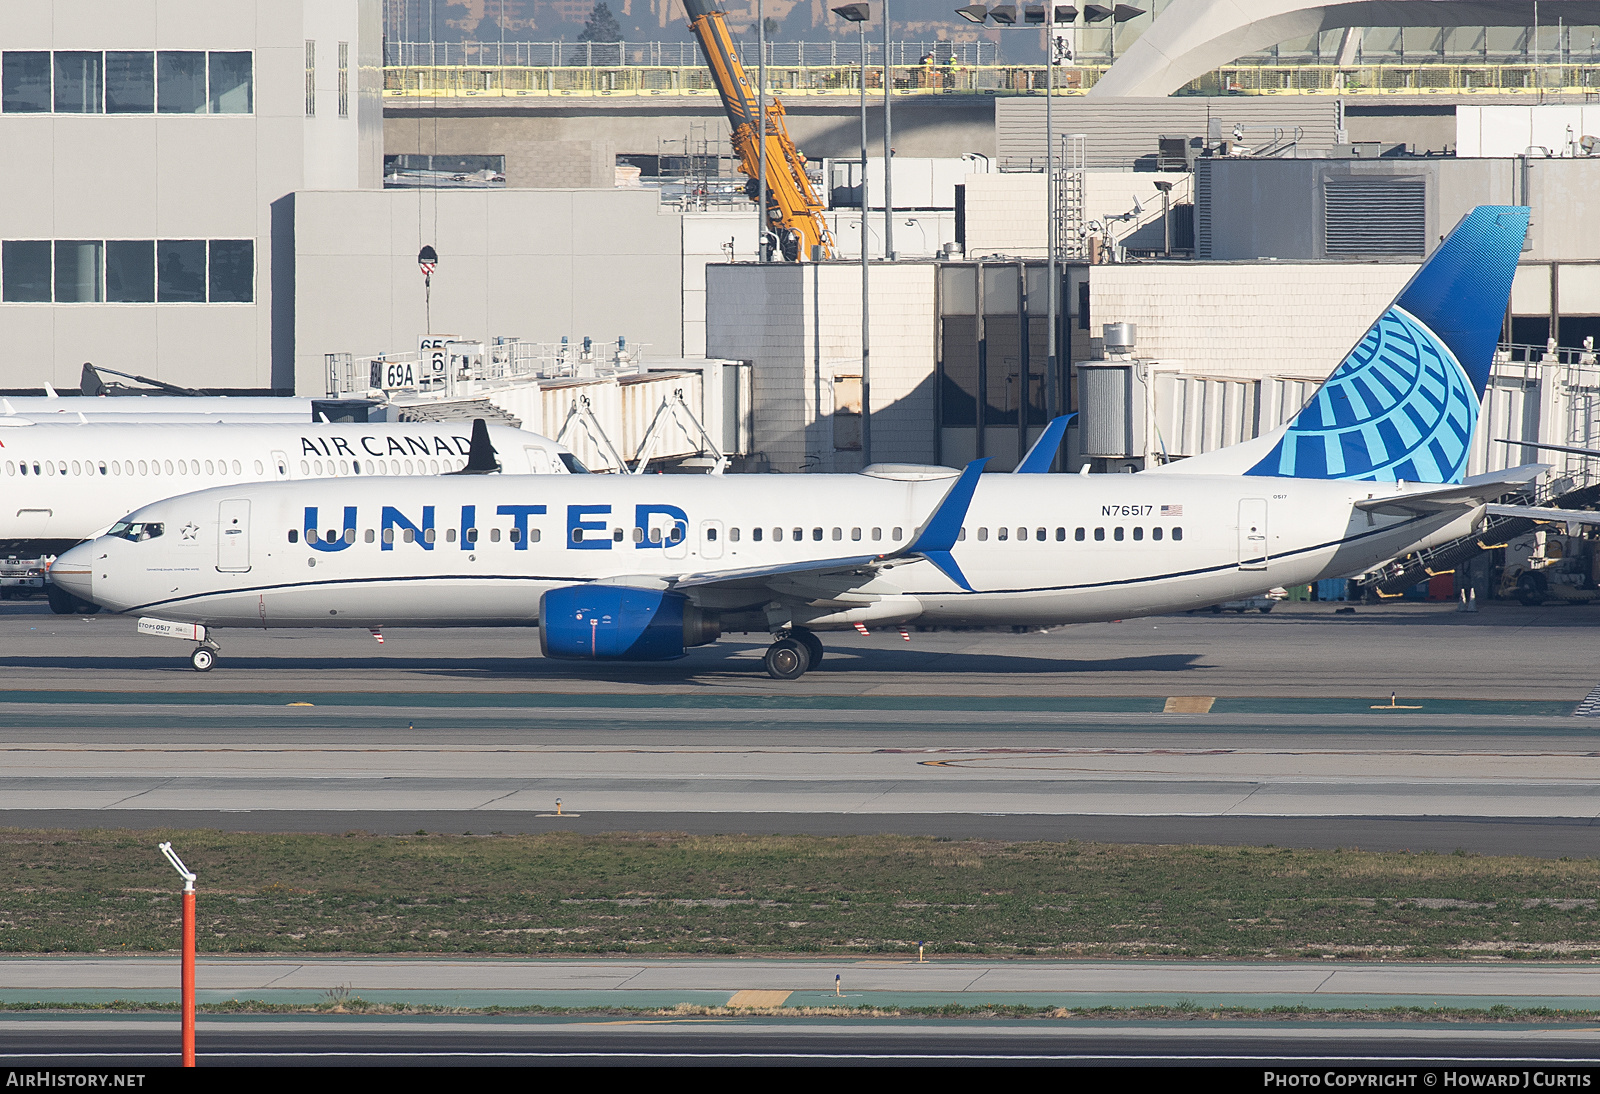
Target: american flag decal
<point x="1172" y="510"/>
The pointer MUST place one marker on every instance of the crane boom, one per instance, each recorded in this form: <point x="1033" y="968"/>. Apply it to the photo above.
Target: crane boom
<point x="792" y="205"/>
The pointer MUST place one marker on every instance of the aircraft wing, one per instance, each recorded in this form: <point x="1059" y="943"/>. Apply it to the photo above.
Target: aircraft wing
<point x="1475" y="491"/>
<point x="933" y="541"/>
<point x="1536" y="512"/>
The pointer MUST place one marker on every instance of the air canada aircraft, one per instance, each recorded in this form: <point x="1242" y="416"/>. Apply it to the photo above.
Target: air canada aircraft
<point x="638" y="568"/>
<point x="61" y="483"/>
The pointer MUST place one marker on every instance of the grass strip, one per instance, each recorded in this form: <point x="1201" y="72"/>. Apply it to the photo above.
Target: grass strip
<point x="109" y="891"/>
<point x="1156" y="1013"/>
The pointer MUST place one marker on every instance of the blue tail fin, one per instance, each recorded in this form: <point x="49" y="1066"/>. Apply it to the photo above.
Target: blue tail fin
<point x="1404" y="403"/>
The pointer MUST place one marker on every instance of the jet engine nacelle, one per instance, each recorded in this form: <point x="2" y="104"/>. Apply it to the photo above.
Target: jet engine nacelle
<point x="617" y="623"/>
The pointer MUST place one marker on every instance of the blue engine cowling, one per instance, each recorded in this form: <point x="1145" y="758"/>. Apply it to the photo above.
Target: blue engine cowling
<point x="617" y="623"/>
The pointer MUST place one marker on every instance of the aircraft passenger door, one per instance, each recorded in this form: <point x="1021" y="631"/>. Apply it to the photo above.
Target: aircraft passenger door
<point x="538" y="460"/>
<point x="711" y="534"/>
<point x="280" y="466"/>
<point x="1252" y="533"/>
<point x="233" y="536"/>
<point x="677" y="545"/>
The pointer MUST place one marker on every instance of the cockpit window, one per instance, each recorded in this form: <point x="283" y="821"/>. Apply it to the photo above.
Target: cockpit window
<point x="574" y="465"/>
<point x="137" y="532"/>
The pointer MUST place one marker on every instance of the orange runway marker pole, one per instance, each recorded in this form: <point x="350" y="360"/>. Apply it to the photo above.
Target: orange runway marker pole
<point x="186" y="975"/>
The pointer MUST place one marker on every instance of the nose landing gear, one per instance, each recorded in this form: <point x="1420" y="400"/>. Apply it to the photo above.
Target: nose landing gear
<point x="793" y="654"/>
<point x="203" y="656"/>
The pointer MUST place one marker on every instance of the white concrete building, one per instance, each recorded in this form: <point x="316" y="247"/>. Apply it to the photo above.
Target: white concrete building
<point x="151" y="150"/>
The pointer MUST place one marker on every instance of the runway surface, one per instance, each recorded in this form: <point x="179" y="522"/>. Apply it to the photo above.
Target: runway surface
<point x="135" y="1042"/>
<point x="1086" y="732"/>
<point x="805" y="983"/>
<point x="1503" y="652"/>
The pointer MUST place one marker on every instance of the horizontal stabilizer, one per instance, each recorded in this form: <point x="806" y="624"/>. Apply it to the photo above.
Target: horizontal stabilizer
<point x="1476" y="491"/>
<point x="1537" y="512"/>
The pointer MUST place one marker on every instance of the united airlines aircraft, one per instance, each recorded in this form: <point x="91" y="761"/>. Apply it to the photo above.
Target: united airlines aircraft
<point x="636" y="568"/>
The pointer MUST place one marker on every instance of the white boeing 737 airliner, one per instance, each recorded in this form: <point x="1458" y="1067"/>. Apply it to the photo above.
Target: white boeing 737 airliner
<point x="626" y="567"/>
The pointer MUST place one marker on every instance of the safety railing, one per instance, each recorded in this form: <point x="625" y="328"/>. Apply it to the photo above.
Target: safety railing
<point x="447" y="81"/>
<point x="843" y="78"/>
<point x="671" y="54"/>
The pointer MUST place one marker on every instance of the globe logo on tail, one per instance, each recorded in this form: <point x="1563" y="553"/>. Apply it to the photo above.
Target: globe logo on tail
<point x="1399" y="408"/>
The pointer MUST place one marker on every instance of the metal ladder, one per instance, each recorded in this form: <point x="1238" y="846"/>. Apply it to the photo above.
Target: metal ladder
<point x="1072" y="160"/>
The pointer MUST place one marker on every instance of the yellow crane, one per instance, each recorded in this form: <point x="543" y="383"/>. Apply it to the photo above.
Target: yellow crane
<point x="794" y="212"/>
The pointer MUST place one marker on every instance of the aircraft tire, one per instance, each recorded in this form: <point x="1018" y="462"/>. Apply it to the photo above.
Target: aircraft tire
<point x="812" y="643"/>
<point x="202" y="659"/>
<point x="64" y="603"/>
<point x="787" y="659"/>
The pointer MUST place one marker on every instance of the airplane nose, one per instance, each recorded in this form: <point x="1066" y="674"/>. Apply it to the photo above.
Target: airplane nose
<point x="74" y="572"/>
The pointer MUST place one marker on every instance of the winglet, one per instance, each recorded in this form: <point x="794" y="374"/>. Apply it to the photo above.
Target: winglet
<point x="938" y="537"/>
<point x="481" y="455"/>
<point x="1043" y="452"/>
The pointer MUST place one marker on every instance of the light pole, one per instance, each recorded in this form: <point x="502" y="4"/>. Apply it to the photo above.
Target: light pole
<point x="186" y="976"/>
<point x="888" y="143"/>
<point x="761" y="117"/>
<point x="1037" y="15"/>
<point x="859" y="14"/>
<point x="427" y="260"/>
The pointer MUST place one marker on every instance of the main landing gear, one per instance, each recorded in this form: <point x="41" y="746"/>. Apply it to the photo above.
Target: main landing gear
<point x="795" y="651"/>
<point x="204" y="656"/>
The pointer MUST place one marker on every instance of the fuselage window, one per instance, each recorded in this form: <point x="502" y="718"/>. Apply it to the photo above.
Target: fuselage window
<point x="388" y="535"/>
<point x="711" y="534"/>
<point x="294" y="535"/>
<point x="1155" y="533"/>
<point x="428" y="535"/>
<point x="755" y="534"/>
<point x="311" y="535"/>
<point x="1099" y="535"/>
<point x="349" y="535"/>
<point x="1138" y="533"/>
<point x="1077" y="534"/>
<point x="983" y="535"/>
<point x="450" y="535"/>
<point x="116" y="467"/>
<point x="533" y="535"/>
<point x="896" y="535"/>
<point x="638" y="535"/>
<point x="1002" y="533"/>
<point x="1116" y="534"/>
<point x="616" y="535"/>
<point x="408" y="468"/>
<point x="577" y="535"/>
<point x="470" y="535"/>
<point x="494" y="535"/>
<point x="169" y="467"/>
<point x="1177" y="533"/>
<point x="855" y="534"/>
<point x="676" y="534"/>
<point x="877" y="534"/>
<point x="260" y="470"/>
<point x="733" y="535"/>
<point x="410" y="535"/>
<point x="344" y="467"/>
<point x="102" y="467"/>
<point x="368" y="535"/>
<point x="183" y="468"/>
<point x="355" y="466"/>
<point x="305" y="468"/>
<point x="11" y="467"/>
<point x="77" y="468"/>
<point x="370" y="466"/>
<point x="816" y="534"/>
<point x="49" y="468"/>
<point x="655" y="535"/>
<point x="777" y="535"/>
<point x="1040" y="534"/>
<point x="1022" y="533"/>
<point x="210" y="467"/>
<point x="24" y="469"/>
<point x="961" y="535"/>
